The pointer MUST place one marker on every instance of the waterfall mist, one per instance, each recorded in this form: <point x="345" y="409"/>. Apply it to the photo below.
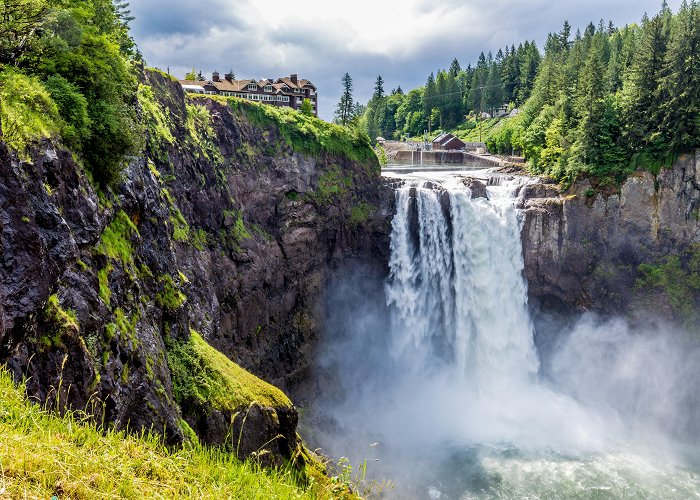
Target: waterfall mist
<point x="441" y="379"/>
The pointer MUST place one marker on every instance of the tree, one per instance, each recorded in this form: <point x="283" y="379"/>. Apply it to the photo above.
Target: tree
<point x="346" y="106"/>
<point x="192" y="75"/>
<point x="681" y="86"/>
<point x="20" y="23"/>
<point x="641" y="88"/>
<point x="306" y="107"/>
<point x="455" y="68"/>
<point x="378" y="88"/>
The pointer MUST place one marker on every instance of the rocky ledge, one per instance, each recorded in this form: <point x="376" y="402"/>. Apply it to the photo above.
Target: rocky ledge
<point x="617" y="252"/>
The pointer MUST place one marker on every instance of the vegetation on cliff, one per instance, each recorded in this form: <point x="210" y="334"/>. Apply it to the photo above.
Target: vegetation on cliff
<point x="310" y="135"/>
<point x="68" y="69"/>
<point x="203" y="375"/>
<point x="72" y="457"/>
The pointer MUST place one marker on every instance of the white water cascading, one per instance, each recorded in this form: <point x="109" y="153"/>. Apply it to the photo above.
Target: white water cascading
<point x="456" y="284"/>
<point x="447" y="396"/>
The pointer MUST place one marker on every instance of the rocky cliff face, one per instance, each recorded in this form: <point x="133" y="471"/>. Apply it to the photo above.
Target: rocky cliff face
<point x="221" y="227"/>
<point x="630" y="250"/>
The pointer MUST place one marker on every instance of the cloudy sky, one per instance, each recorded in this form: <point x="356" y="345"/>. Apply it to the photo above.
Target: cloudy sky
<point x="322" y="39"/>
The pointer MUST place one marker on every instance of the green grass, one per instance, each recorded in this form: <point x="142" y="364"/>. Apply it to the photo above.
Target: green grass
<point x="202" y="374"/>
<point x="469" y="131"/>
<point x="27" y="111"/>
<point x="308" y="134"/>
<point x="42" y="455"/>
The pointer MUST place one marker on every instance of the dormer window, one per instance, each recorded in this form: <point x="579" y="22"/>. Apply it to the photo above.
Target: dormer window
<point x="252" y="86"/>
<point x="268" y="88"/>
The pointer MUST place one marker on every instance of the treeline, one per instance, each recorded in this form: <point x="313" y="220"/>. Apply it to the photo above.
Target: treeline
<point x="67" y="68"/>
<point x="611" y="100"/>
<point x="505" y="79"/>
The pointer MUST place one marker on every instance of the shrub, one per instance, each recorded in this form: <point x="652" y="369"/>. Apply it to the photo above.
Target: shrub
<point x="27" y="111"/>
<point x="73" y="108"/>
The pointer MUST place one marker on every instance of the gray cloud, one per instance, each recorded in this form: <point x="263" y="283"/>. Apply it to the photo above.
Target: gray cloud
<point x="225" y="34"/>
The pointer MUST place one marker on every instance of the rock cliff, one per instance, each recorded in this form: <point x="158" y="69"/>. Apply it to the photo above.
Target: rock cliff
<point x="627" y="250"/>
<point x="223" y="233"/>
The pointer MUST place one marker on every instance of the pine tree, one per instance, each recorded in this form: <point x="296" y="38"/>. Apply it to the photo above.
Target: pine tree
<point x="346" y="106"/>
<point x="378" y="88"/>
<point x="430" y="95"/>
<point x="680" y="125"/>
<point x="642" y="86"/>
<point x="455" y="68"/>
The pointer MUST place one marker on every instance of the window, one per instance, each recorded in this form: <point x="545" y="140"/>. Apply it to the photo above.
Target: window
<point x="311" y="92"/>
<point x="252" y="86"/>
<point x="268" y="88"/>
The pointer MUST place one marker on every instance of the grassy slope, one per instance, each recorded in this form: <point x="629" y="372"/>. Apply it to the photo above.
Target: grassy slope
<point x="469" y="131"/>
<point x="43" y="455"/>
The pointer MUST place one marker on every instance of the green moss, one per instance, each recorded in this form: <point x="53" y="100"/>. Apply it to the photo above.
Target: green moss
<point x="360" y="213"/>
<point x="127" y="325"/>
<point x="82" y="265"/>
<point x="678" y="278"/>
<point x="58" y="323"/>
<point x="103" y="281"/>
<point x="240" y="231"/>
<point x="181" y="230"/>
<point x="331" y="183"/>
<point x="310" y="135"/>
<point x="187" y="431"/>
<point x="169" y="297"/>
<point x="157" y="120"/>
<point x="115" y="241"/>
<point x="201" y="136"/>
<point x="199" y="239"/>
<point x="203" y="375"/>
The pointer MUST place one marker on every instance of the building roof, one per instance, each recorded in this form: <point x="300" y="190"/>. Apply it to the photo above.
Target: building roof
<point x="450" y="140"/>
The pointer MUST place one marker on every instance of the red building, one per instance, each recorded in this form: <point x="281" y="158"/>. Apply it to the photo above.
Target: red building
<point x="288" y="91"/>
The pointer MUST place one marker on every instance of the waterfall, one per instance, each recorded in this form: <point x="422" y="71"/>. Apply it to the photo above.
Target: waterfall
<point x="456" y="289"/>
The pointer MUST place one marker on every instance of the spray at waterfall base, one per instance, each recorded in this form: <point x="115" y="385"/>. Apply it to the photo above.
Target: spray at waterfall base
<point x="446" y="387"/>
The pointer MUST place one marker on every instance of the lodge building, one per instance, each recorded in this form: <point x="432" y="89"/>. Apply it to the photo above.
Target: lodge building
<point x="288" y="91"/>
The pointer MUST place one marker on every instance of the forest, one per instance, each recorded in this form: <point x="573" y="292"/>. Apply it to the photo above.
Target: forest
<point x="604" y="102"/>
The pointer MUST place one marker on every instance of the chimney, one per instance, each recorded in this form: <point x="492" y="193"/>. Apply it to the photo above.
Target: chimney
<point x="215" y="76"/>
<point x="293" y="78"/>
<point x="229" y="77"/>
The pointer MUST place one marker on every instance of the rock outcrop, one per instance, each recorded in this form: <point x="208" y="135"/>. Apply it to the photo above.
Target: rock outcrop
<point x="221" y="229"/>
<point x="618" y="252"/>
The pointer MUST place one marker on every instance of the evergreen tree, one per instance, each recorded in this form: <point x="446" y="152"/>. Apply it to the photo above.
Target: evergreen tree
<point x="642" y="86"/>
<point x="430" y="95"/>
<point x="345" y="110"/>
<point x="680" y="125"/>
<point x="455" y="68"/>
<point x="378" y="88"/>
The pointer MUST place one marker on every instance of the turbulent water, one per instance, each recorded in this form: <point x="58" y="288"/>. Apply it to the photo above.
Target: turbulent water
<point x="450" y="392"/>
